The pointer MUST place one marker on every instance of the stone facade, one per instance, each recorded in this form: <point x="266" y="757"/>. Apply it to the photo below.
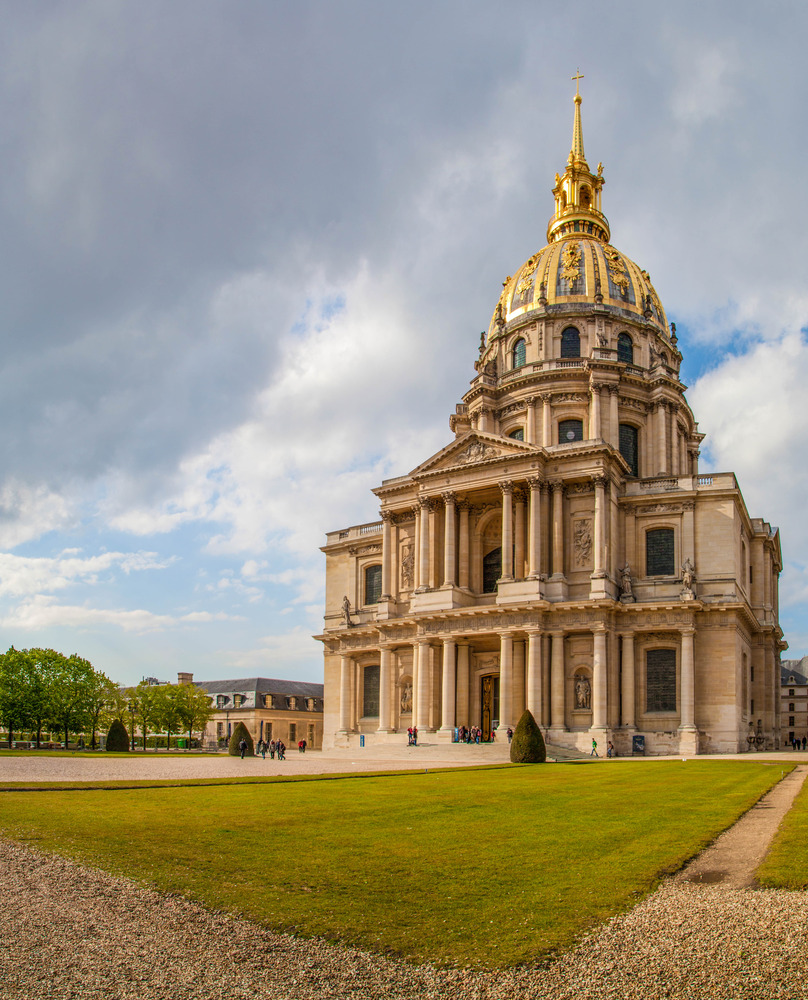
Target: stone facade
<point x="562" y="553"/>
<point x="270" y="709"/>
<point x="794" y="698"/>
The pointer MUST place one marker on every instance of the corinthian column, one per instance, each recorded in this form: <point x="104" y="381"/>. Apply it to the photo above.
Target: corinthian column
<point x="534" y="529"/>
<point x="558" y="529"/>
<point x="530" y="429"/>
<point x="519" y="534"/>
<point x="463" y="555"/>
<point x="345" y="668"/>
<point x="384" y="689"/>
<point x="424" y="696"/>
<point x="557" y="681"/>
<point x="546" y="421"/>
<point x="614" y="418"/>
<point x="600" y="526"/>
<point x="423" y="555"/>
<point x="594" y="411"/>
<point x="534" y="674"/>
<point x="507" y="531"/>
<point x="387" y="555"/>
<point x="448" y="687"/>
<point x="599" y="690"/>
<point x="505" y="681"/>
<point x="688" y="700"/>
<point x="449" y="540"/>
<point x="662" y="442"/>
<point x="628" y="680"/>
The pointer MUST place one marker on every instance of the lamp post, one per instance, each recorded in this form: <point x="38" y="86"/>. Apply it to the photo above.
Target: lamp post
<point x="132" y="724"/>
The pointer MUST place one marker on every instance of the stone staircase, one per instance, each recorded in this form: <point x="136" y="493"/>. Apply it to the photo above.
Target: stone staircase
<point x="435" y="753"/>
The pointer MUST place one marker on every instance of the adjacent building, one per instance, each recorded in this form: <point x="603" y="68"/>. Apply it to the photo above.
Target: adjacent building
<point x="270" y="709"/>
<point x="562" y="553"/>
<point x="794" y="699"/>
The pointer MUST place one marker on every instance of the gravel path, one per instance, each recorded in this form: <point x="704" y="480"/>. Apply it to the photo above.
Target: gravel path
<point x="73" y="932"/>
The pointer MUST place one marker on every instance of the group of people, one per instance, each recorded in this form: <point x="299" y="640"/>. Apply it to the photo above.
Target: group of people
<point x="473" y="734"/>
<point x="273" y="747"/>
<point x="412" y="736"/>
<point x="610" y="750"/>
<point x="796" y="743"/>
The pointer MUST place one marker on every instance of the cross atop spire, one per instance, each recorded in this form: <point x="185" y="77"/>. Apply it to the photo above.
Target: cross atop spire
<point x="577" y="151"/>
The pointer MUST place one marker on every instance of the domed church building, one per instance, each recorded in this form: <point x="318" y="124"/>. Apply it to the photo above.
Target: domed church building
<point x="562" y="553"/>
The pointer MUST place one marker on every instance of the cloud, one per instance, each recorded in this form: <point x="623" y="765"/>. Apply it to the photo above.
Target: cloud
<point x="26" y="575"/>
<point x="43" y="612"/>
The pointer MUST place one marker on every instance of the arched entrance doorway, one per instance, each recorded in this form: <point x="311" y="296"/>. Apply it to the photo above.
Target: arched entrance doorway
<point x="489" y="704"/>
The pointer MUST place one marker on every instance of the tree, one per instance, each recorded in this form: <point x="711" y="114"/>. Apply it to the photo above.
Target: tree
<point x="167" y="699"/>
<point x="241" y="732"/>
<point x="527" y="745"/>
<point x="117" y="737"/>
<point x="145" y="704"/>
<point x="100" y="690"/>
<point x="195" y="708"/>
<point x="41" y="666"/>
<point x="14" y="674"/>
<point x="72" y="680"/>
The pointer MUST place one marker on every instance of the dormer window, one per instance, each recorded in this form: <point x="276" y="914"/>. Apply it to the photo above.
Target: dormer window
<point x="311" y="705"/>
<point x="517" y="435"/>
<point x="291" y="702"/>
<point x="221" y="700"/>
<point x="269" y="701"/>
<point x="238" y="700"/>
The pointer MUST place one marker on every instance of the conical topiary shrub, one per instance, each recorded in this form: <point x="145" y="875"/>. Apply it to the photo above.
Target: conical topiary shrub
<point x="117" y="737"/>
<point x="527" y="745"/>
<point x="241" y="732"/>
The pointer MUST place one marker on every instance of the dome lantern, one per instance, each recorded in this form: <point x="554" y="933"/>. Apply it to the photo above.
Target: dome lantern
<point x="578" y="192"/>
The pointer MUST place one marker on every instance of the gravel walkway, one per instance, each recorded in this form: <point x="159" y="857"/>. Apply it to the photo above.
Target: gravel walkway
<point x="73" y="932"/>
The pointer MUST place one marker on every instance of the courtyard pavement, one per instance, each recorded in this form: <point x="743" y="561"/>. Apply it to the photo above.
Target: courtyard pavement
<point x="79" y="767"/>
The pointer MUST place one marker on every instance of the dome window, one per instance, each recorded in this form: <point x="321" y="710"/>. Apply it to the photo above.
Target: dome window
<point x="659" y="558"/>
<point x="570" y="430"/>
<point x="517" y="435"/>
<point x="628" y="447"/>
<point x="625" y="349"/>
<point x="518" y="354"/>
<point x="373" y="584"/>
<point x="570" y="343"/>
<point x="492" y="570"/>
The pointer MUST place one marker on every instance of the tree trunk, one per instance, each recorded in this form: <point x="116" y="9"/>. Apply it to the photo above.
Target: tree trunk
<point x="38" y="735"/>
<point x="66" y="737"/>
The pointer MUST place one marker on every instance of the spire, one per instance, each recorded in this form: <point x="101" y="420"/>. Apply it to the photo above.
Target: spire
<point x="577" y="151"/>
<point x="578" y="193"/>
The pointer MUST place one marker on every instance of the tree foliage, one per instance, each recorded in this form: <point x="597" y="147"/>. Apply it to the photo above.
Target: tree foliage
<point x="195" y="708"/>
<point x="527" y="745"/>
<point x="241" y="732"/>
<point x="117" y="737"/>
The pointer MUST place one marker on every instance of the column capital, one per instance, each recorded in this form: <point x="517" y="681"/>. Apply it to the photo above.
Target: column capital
<point x="506" y="486"/>
<point x="424" y="503"/>
<point x="688" y="630"/>
<point x="388" y="516"/>
<point x="557" y="486"/>
<point x="449" y="497"/>
<point x="519" y="494"/>
<point x="535" y="483"/>
<point x="463" y="504"/>
<point x="602" y="481"/>
<point x="532" y="400"/>
<point x="546" y="397"/>
<point x="598" y="628"/>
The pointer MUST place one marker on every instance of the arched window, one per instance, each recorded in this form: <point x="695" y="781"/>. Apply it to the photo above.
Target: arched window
<point x="659" y="557"/>
<point x="660" y="680"/>
<point x="625" y="349"/>
<point x="370" y="692"/>
<point x="570" y="343"/>
<point x="492" y="570"/>
<point x="570" y="430"/>
<point x="518" y="434"/>
<point x="373" y="584"/>
<point x="518" y="354"/>
<point x="628" y="447"/>
<point x="586" y="197"/>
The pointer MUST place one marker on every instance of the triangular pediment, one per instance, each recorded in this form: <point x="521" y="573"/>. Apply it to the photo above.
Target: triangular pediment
<point x="473" y="448"/>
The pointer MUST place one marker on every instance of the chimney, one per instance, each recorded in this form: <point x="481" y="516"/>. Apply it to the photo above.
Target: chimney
<point x="183" y="678"/>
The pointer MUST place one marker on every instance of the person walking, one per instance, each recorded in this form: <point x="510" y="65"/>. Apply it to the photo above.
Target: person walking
<point x="594" y="751"/>
<point x="272" y="748"/>
<point x="242" y="747"/>
<point x="510" y="734"/>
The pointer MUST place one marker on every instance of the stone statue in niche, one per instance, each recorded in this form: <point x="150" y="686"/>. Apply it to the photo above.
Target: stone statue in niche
<point x="583" y="692"/>
<point x="407" y="566"/>
<point x="688" y="579"/>
<point x="582" y="542"/>
<point x="346" y="611"/>
<point x="626" y="585"/>
<point x="406" y="698"/>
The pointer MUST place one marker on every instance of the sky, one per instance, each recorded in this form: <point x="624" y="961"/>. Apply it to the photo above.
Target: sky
<point x="247" y="250"/>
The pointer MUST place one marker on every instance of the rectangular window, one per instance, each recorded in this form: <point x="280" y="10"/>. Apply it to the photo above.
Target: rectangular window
<point x="373" y="584"/>
<point x="628" y="447"/>
<point x="659" y="555"/>
<point x="370" y="698"/>
<point x="660" y="680"/>
<point x="267" y="731"/>
<point x="310" y="737"/>
<point x="219" y="730"/>
<point x="791" y="720"/>
<point x="791" y="706"/>
<point x="293" y="732"/>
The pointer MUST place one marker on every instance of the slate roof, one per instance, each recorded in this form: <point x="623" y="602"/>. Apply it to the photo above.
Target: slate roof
<point x="262" y="685"/>
<point x="798" y="669"/>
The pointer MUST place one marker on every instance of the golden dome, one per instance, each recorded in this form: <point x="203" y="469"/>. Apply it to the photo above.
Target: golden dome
<point x="580" y="270"/>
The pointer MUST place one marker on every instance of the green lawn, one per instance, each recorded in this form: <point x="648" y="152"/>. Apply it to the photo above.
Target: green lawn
<point x="489" y="867"/>
<point x="786" y="864"/>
